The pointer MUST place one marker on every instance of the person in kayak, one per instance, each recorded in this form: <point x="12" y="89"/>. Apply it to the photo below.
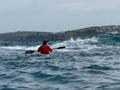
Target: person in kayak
<point x="44" y="49"/>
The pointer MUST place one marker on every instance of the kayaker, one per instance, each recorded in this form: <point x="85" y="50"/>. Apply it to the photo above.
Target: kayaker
<point x="44" y="49"/>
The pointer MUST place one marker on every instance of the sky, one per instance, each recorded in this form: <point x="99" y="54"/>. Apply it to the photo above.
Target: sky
<point x="57" y="15"/>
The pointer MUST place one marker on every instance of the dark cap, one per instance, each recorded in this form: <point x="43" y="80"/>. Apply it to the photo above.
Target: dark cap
<point x="45" y="42"/>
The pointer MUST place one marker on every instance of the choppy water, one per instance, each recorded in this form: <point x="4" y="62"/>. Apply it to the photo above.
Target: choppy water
<point x="88" y="64"/>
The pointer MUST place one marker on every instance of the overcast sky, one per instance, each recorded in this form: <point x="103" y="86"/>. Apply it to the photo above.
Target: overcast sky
<point x="57" y="15"/>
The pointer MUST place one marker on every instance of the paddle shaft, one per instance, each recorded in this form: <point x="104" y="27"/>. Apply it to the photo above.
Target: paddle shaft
<point x="32" y="51"/>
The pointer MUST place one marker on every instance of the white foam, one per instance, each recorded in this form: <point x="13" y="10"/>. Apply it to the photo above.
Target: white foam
<point x="78" y="43"/>
<point x="13" y="47"/>
<point x="19" y="47"/>
<point x="115" y="32"/>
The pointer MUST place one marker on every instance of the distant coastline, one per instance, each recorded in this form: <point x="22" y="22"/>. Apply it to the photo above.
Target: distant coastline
<point x="83" y="33"/>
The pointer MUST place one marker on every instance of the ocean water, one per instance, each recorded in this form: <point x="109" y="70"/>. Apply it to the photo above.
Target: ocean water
<point x="85" y="64"/>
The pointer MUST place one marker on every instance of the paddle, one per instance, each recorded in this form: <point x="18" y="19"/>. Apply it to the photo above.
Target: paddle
<point x="32" y="51"/>
<point x="60" y="47"/>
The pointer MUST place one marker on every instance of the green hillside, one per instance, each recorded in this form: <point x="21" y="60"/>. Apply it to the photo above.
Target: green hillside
<point x="78" y="33"/>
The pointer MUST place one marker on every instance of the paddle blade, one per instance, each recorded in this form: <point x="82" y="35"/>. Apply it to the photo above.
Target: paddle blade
<point x="29" y="51"/>
<point x="60" y="47"/>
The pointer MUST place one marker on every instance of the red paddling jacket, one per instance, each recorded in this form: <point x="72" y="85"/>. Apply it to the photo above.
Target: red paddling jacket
<point x="44" y="49"/>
